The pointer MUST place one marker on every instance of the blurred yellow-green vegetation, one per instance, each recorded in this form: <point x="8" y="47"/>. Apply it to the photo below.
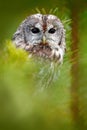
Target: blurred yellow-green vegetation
<point x="34" y="96"/>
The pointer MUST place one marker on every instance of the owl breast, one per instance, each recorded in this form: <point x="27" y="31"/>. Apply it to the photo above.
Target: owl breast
<point x="42" y="36"/>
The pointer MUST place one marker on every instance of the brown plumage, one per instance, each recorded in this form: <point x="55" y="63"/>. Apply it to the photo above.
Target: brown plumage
<point x="42" y="36"/>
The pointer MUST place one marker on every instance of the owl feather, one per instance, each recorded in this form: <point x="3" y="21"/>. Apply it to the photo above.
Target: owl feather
<point x="42" y="36"/>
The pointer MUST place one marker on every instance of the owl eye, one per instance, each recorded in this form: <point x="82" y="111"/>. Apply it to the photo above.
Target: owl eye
<point x="52" y="30"/>
<point x="35" y="30"/>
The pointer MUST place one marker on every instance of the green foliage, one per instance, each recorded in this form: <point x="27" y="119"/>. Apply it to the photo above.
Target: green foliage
<point x="25" y="104"/>
<point x="36" y="95"/>
<point x="12" y="54"/>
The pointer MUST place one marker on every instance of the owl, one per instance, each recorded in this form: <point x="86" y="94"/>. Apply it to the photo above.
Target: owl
<point x="42" y="36"/>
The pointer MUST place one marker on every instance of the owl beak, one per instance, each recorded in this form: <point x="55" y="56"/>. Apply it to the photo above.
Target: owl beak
<point x="44" y="40"/>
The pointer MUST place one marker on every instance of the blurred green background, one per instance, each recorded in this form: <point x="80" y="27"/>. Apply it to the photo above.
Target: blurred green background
<point x="24" y="102"/>
<point x="13" y="12"/>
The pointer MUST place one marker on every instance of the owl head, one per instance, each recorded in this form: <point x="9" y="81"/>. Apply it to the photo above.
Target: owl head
<point x="43" y="36"/>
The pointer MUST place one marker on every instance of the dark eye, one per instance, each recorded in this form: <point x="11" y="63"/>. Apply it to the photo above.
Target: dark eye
<point x="35" y="30"/>
<point x="52" y="30"/>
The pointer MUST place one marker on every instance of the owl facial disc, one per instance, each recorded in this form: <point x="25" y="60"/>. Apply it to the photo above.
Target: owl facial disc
<point x="42" y="35"/>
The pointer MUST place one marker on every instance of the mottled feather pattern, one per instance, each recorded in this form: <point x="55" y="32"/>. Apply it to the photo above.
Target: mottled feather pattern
<point x="42" y="36"/>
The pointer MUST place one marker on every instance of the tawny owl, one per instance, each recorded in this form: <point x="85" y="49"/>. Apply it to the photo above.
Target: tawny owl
<point x="43" y="36"/>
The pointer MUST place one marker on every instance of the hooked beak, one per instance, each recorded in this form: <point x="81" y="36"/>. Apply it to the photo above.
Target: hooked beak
<point x="44" y="40"/>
